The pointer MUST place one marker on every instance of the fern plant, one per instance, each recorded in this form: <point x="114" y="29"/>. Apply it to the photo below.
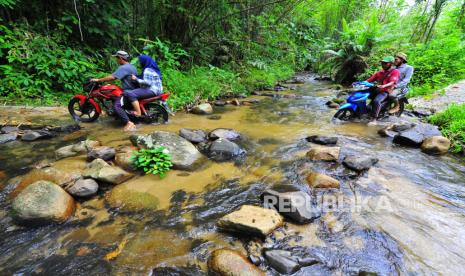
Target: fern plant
<point x="153" y="161"/>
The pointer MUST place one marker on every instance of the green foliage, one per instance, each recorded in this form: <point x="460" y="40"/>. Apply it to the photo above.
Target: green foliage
<point x="153" y="161"/>
<point x="452" y="125"/>
<point x="39" y="68"/>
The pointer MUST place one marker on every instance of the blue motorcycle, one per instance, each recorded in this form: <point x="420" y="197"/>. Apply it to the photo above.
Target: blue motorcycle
<point x="357" y="106"/>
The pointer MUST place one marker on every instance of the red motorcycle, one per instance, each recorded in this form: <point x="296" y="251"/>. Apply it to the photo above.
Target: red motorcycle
<point x="87" y="108"/>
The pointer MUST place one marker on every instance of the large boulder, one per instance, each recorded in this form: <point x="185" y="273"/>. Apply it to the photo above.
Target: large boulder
<point x="224" y="133"/>
<point x="184" y="155"/>
<point x="203" y="109"/>
<point x="102" y="171"/>
<point x="223" y="150"/>
<point x="294" y="205"/>
<point x="42" y="202"/>
<point x="193" y="135"/>
<point x="104" y="153"/>
<point x="251" y="220"/>
<point x="8" y="129"/>
<point x="436" y="145"/>
<point x="416" y="135"/>
<point x="322" y="153"/>
<point x="32" y="135"/>
<point x="322" y="140"/>
<point x="318" y="180"/>
<point x="359" y="163"/>
<point x="83" y="188"/>
<point x="4" y="138"/>
<point x="226" y="262"/>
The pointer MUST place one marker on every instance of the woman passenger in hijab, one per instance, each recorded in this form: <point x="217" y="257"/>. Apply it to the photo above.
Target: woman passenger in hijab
<point x="150" y="83"/>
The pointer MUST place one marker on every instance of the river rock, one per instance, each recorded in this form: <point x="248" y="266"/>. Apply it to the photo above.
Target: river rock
<point x="332" y="104"/>
<point x="435" y="145"/>
<point x="203" y="109"/>
<point x="102" y="171"/>
<point x="65" y="152"/>
<point x="184" y="155"/>
<point x="223" y="150"/>
<point x="42" y="202"/>
<point x="123" y="158"/>
<point x="85" y="146"/>
<point x="225" y="133"/>
<point x="219" y="103"/>
<point x="318" y="180"/>
<point x="294" y="205"/>
<point x="415" y="136"/>
<point x="359" y="163"/>
<point x="322" y="140"/>
<point x="32" y="135"/>
<point x="105" y="153"/>
<point x="251" y="220"/>
<point x="193" y="135"/>
<point x="226" y="262"/>
<point x="83" y="188"/>
<point x="282" y="261"/>
<point x="9" y="129"/>
<point x="235" y="102"/>
<point x="5" y="138"/>
<point x="324" y="153"/>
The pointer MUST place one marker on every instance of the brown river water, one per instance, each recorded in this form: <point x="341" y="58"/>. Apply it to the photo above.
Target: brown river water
<point x="406" y="215"/>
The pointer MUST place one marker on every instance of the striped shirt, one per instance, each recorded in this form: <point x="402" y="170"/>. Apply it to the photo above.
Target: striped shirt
<point x="152" y="81"/>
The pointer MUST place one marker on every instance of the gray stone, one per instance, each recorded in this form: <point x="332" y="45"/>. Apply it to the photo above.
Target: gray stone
<point x="282" y="261"/>
<point x="83" y="188"/>
<point x="185" y="156"/>
<point x="359" y="163"/>
<point x="322" y="140"/>
<point x="85" y="146"/>
<point x="295" y="205"/>
<point x="203" y="109"/>
<point x="64" y="152"/>
<point x="5" y="138"/>
<point x="104" y="153"/>
<point x="30" y="135"/>
<point x="416" y="135"/>
<point x="9" y="129"/>
<point x="42" y="202"/>
<point x="193" y="135"/>
<point x="102" y="171"/>
<point x="225" y="133"/>
<point x="224" y="150"/>
<point x="220" y="103"/>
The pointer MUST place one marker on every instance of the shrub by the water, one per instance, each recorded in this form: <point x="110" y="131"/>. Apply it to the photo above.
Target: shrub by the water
<point x="153" y="161"/>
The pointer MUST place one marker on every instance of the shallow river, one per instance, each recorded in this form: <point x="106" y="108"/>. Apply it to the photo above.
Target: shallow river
<point x="405" y="216"/>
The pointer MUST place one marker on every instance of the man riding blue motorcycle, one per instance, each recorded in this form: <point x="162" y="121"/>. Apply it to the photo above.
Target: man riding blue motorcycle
<point x="357" y="103"/>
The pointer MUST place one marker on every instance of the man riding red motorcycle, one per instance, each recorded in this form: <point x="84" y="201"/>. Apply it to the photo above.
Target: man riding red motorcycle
<point x="87" y="108"/>
<point x="124" y="74"/>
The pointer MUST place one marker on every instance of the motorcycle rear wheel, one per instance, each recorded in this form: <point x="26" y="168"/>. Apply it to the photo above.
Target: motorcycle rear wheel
<point x="156" y="114"/>
<point x="82" y="113"/>
<point x="345" y="114"/>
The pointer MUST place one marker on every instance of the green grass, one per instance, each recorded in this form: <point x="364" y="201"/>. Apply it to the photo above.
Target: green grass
<point x="452" y="124"/>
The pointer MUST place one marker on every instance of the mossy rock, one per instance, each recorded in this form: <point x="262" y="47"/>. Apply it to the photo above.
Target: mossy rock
<point x="130" y="200"/>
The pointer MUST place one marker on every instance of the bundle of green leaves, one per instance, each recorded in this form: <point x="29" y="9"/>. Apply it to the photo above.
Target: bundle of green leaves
<point x="153" y="161"/>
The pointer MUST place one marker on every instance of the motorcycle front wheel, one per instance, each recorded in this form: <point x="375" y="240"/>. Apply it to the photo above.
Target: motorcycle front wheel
<point x="156" y="114"/>
<point x="345" y="114"/>
<point x="82" y="113"/>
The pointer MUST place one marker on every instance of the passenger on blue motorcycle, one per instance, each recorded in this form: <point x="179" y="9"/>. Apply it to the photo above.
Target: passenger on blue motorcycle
<point x="387" y="79"/>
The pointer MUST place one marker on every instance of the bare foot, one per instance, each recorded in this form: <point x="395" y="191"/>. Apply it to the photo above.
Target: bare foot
<point x="130" y="126"/>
